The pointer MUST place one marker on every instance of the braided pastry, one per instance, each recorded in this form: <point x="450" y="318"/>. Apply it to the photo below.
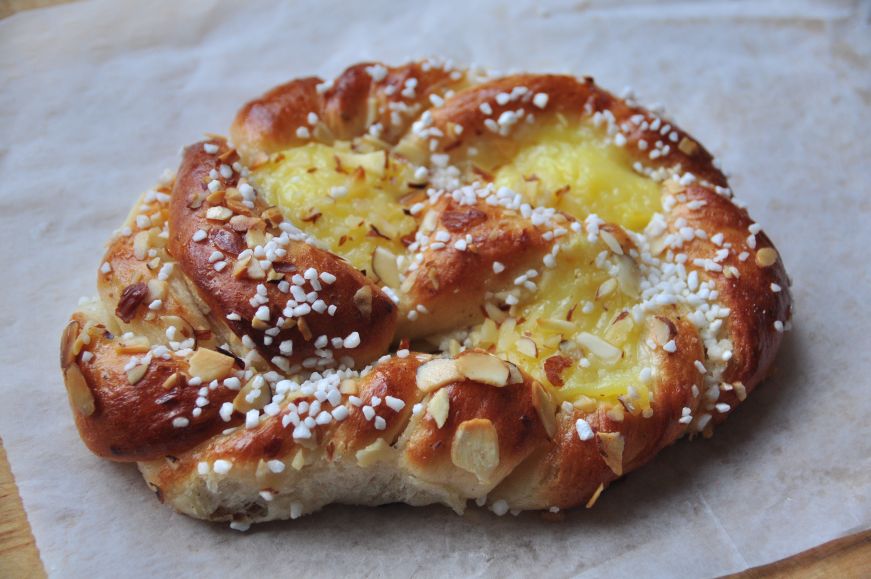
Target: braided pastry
<point x="422" y="285"/>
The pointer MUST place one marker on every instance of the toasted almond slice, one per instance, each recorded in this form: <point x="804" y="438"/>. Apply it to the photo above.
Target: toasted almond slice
<point x="299" y="459"/>
<point x="156" y="289"/>
<point x="484" y="368"/>
<point x="616" y="413"/>
<point x="595" y="496"/>
<point x="363" y="300"/>
<point x="81" y="397"/>
<point x="618" y="331"/>
<point x="608" y="286"/>
<point x="611" y="448"/>
<point x="254" y="270"/>
<point x="385" y="267"/>
<point x="557" y="325"/>
<point x="662" y="329"/>
<point x="171" y="381"/>
<point x="585" y="404"/>
<point x="256" y="234"/>
<point x="527" y="347"/>
<point x="141" y="245"/>
<point x="514" y="374"/>
<point x="598" y="347"/>
<point x="133" y="345"/>
<point x="687" y="146"/>
<point x="546" y="408"/>
<point x="137" y="373"/>
<point x="439" y="406"/>
<point x="262" y="397"/>
<point x="348" y="386"/>
<point x="628" y="276"/>
<point x="611" y="241"/>
<point x="475" y="447"/>
<point x="766" y="257"/>
<point x="436" y="373"/>
<point x="259" y="324"/>
<point x="374" y="453"/>
<point x="71" y="333"/>
<point x="495" y="313"/>
<point x="218" y="213"/>
<point x="210" y="365"/>
<point x="240" y="267"/>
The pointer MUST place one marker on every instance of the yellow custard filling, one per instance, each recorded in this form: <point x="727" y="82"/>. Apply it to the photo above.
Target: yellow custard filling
<point x="574" y="333"/>
<point x="347" y="200"/>
<point x="576" y="302"/>
<point x="570" y="166"/>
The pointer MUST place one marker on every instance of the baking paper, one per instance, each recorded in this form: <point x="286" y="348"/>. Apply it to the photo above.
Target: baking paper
<point x="97" y="97"/>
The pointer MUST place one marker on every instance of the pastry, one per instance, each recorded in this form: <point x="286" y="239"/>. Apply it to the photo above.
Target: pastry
<point x="423" y="284"/>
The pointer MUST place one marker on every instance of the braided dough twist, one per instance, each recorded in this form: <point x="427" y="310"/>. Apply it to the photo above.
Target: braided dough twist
<point x="221" y="353"/>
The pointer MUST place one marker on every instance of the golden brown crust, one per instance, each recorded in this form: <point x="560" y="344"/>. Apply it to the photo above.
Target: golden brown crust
<point x="132" y="421"/>
<point x="390" y="436"/>
<point x="226" y="293"/>
<point x="353" y="103"/>
<point x="454" y="282"/>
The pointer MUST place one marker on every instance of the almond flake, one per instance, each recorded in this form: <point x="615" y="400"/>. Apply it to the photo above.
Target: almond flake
<point x="475" y="447"/>
<point x="436" y="373"/>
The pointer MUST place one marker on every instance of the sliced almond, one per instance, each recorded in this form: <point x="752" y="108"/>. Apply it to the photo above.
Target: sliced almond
<point x="595" y="496"/>
<point x="439" y="406"/>
<point x="662" y="329"/>
<point x="363" y="300"/>
<point x="607" y="288"/>
<point x="272" y="215"/>
<point x="611" y="241"/>
<point x="628" y="276"/>
<point x="385" y="267"/>
<point x="262" y="397"/>
<point x="259" y="324"/>
<point x="515" y="376"/>
<point x="611" y="448"/>
<point x="766" y="257"/>
<point x="304" y="329"/>
<point x="488" y="334"/>
<point x="687" y="146"/>
<point x="436" y="373"/>
<point x="475" y="447"/>
<point x="348" y="386"/>
<point x="171" y="381"/>
<point x="616" y="413"/>
<point x="585" y="404"/>
<point x="299" y="459"/>
<point x="546" y="408"/>
<point x="71" y="333"/>
<point x="527" y="347"/>
<point x="494" y="312"/>
<point x="137" y="373"/>
<point x="598" y="347"/>
<point x="619" y="330"/>
<point x="557" y="325"/>
<point x="374" y="453"/>
<point x="156" y="289"/>
<point x="218" y="213"/>
<point x="256" y="234"/>
<point x="81" y="397"/>
<point x="141" y="245"/>
<point x="484" y="368"/>
<point x="133" y="345"/>
<point x="210" y="365"/>
<point x="254" y="270"/>
<point x="240" y="267"/>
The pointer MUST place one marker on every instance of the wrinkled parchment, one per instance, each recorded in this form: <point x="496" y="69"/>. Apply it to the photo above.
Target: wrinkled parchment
<point x="97" y="97"/>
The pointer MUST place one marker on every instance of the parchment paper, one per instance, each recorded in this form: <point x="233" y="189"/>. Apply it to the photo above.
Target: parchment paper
<point x="97" y="97"/>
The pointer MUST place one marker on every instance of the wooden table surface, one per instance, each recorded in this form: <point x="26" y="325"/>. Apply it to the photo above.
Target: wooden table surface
<point x="847" y="557"/>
